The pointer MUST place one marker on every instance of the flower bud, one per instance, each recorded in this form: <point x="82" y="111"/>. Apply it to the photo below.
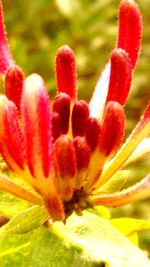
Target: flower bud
<point x="11" y="140"/>
<point x="61" y="105"/>
<point x="112" y="130"/>
<point x="83" y="153"/>
<point x="65" y="161"/>
<point x="56" y="129"/>
<point x="120" y="77"/>
<point x="80" y="115"/>
<point x="130" y="29"/>
<point x="66" y="71"/>
<point x="14" y="84"/>
<point x="92" y="132"/>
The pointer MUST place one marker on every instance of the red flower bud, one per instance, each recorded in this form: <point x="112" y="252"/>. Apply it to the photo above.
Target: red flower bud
<point x="61" y="105"/>
<point x="92" y="132"/>
<point x="80" y="115"/>
<point x="120" y="77"/>
<point x="14" y="84"/>
<point x="112" y="130"/>
<point x="66" y="71"/>
<point x="56" y="129"/>
<point x="83" y="153"/>
<point x="130" y="29"/>
<point x="11" y="140"/>
<point x="65" y="161"/>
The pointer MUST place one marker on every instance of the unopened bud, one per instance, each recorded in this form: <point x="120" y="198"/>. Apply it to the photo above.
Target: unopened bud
<point x="83" y="153"/>
<point x="80" y="115"/>
<point x="120" y="76"/>
<point x="14" y="84"/>
<point x="61" y="105"/>
<point x="56" y="129"/>
<point x="66" y="71"/>
<point x="112" y="130"/>
<point x="65" y="161"/>
<point x="130" y="29"/>
<point x="92" y="132"/>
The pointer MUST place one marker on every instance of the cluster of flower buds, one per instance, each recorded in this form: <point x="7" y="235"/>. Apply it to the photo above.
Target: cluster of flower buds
<point x="67" y="149"/>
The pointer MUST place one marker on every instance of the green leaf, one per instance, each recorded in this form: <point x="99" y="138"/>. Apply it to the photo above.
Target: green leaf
<point x="26" y="220"/>
<point x="86" y="240"/>
<point x="11" y="205"/>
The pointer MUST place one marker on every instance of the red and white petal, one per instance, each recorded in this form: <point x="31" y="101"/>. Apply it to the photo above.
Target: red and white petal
<point x="36" y="120"/>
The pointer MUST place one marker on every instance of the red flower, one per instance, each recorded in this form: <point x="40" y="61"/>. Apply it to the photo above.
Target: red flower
<point x="68" y="150"/>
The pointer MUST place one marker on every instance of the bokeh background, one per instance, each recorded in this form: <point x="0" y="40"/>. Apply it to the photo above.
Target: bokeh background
<point x="36" y="29"/>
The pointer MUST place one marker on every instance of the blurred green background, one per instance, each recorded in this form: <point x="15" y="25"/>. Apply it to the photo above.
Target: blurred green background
<point x="37" y="28"/>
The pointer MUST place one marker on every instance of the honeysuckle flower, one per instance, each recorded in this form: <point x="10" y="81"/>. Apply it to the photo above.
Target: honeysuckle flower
<point x="68" y="149"/>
